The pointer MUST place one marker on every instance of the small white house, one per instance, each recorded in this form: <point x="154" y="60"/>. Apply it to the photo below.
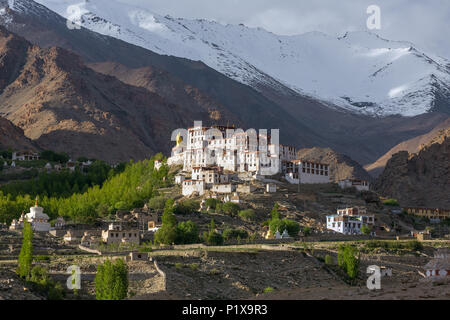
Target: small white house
<point x="360" y="185"/>
<point x="345" y="224"/>
<point x="179" y="178"/>
<point x="190" y="186"/>
<point x="223" y="188"/>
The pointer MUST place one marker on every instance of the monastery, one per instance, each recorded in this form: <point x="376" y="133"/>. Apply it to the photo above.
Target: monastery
<point x="211" y="155"/>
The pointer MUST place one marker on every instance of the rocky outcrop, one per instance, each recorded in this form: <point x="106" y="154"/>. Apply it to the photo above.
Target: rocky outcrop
<point x="65" y="106"/>
<point x="341" y="166"/>
<point x="422" y="178"/>
<point x="413" y="145"/>
<point x="12" y="137"/>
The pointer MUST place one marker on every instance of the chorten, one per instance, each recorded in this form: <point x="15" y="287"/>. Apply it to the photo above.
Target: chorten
<point x="37" y="218"/>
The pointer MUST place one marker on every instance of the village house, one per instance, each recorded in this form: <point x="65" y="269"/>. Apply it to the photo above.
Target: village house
<point x="60" y="223"/>
<point x="115" y="234"/>
<point x="71" y="165"/>
<point x="193" y="186"/>
<point x="72" y="236"/>
<point x="179" y="178"/>
<point x="223" y="188"/>
<point x="344" y="224"/>
<point x="430" y="213"/>
<point x="360" y="185"/>
<point x="90" y="238"/>
<point x="25" y="156"/>
<point x="350" y="219"/>
<point x="352" y="210"/>
<point x="308" y="172"/>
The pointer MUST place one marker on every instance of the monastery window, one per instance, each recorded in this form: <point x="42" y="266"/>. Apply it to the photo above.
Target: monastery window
<point x="326" y="173"/>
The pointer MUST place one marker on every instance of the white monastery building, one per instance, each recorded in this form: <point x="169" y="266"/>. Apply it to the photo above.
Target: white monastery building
<point x="211" y="154"/>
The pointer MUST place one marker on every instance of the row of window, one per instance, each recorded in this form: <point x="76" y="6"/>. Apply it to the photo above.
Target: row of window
<point x="123" y="235"/>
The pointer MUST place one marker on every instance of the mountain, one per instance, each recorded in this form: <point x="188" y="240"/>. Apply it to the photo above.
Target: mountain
<point x="413" y="145"/>
<point x="382" y="77"/>
<point x="13" y="137"/>
<point x="304" y="121"/>
<point x="341" y="166"/>
<point x="65" y="106"/>
<point x="422" y="178"/>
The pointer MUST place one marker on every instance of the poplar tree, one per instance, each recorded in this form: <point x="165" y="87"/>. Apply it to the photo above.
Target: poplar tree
<point x="26" y="252"/>
<point x="111" y="281"/>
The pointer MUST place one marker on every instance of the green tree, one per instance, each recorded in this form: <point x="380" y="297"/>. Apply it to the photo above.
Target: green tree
<point x="275" y="214"/>
<point x="111" y="280"/>
<point x="365" y="229"/>
<point x="26" y="252"/>
<point x="187" y="233"/>
<point x="247" y="215"/>
<point x="168" y="233"/>
<point x="230" y="208"/>
<point x="349" y="260"/>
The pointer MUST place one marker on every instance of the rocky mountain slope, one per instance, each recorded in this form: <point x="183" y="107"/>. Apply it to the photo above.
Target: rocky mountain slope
<point x="65" y="106"/>
<point x="342" y="166"/>
<point x="413" y="145"/>
<point x="422" y="178"/>
<point x="382" y="77"/>
<point x="13" y="137"/>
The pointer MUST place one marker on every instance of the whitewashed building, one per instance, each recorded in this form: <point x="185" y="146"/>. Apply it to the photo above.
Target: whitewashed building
<point x="191" y="186"/>
<point x="360" y="185"/>
<point x="344" y="224"/>
<point x="309" y="172"/>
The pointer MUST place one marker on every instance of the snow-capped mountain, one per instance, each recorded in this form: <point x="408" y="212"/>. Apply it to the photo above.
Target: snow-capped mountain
<point x="359" y="71"/>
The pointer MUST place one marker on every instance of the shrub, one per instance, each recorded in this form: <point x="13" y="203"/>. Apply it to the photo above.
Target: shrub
<point x="230" y="233"/>
<point x="268" y="290"/>
<point x="230" y="209"/>
<point x="187" y="207"/>
<point x="391" y="202"/>
<point x="292" y="227"/>
<point x="365" y="229"/>
<point x="247" y="215"/>
<point x="42" y="258"/>
<point x="211" y="203"/>
<point x="194" y="266"/>
<point x="187" y="233"/>
<point x="328" y="260"/>
<point x="157" y="203"/>
<point x="306" y="231"/>
<point x="214" y="239"/>
<point x="42" y="283"/>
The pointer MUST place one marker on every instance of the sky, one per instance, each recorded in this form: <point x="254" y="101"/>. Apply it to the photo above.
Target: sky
<point x="424" y="23"/>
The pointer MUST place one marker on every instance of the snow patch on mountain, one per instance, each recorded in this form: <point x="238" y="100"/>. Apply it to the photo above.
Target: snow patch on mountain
<point x="359" y="71"/>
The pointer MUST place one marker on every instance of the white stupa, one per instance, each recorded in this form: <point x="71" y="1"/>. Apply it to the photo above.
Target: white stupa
<point x="38" y="219"/>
